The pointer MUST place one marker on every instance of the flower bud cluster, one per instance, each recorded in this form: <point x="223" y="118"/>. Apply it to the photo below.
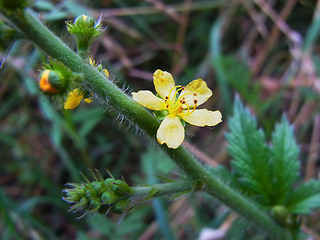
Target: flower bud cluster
<point x="99" y="196"/>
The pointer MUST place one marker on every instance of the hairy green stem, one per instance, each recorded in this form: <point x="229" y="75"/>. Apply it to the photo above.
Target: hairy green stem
<point x="34" y="30"/>
<point x="158" y="190"/>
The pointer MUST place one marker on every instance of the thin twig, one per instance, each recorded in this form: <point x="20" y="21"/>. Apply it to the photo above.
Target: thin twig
<point x="280" y="25"/>
<point x="256" y="18"/>
<point x="170" y="11"/>
<point x="179" y="58"/>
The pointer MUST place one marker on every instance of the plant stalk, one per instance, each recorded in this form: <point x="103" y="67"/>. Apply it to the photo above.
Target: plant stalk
<point x="41" y="36"/>
<point x="158" y="190"/>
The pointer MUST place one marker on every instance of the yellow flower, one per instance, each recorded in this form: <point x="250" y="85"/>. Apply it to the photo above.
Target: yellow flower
<point x="178" y="102"/>
<point x="74" y="98"/>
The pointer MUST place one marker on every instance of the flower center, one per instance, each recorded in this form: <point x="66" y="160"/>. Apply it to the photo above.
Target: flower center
<point x="177" y="103"/>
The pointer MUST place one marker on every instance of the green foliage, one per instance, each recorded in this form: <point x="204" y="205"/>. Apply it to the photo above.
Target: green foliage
<point x="284" y="160"/>
<point x="249" y="151"/>
<point x="42" y="147"/>
<point x="269" y="171"/>
<point x="304" y="198"/>
<point x="238" y="76"/>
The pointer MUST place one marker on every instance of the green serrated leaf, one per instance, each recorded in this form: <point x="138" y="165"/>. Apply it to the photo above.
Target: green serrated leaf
<point x="284" y="160"/>
<point x="304" y="198"/>
<point x="250" y="154"/>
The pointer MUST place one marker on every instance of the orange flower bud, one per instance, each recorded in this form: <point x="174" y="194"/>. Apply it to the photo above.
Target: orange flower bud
<point x="45" y="84"/>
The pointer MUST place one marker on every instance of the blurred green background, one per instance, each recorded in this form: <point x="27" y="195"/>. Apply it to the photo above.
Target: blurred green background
<point x="266" y="52"/>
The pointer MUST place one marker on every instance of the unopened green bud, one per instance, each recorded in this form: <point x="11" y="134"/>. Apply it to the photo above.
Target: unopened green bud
<point x="109" y="197"/>
<point x="95" y="204"/>
<point x="84" y="22"/>
<point x="280" y="213"/>
<point x="72" y="196"/>
<point x="97" y="186"/>
<point x="109" y="182"/>
<point x="120" y="206"/>
<point x="85" y="29"/>
<point x="121" y="187"/>
<point x="91" y="194"/>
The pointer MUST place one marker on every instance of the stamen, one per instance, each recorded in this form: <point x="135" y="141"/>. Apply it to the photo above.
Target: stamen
<point x="188" y="108"/>
<point x="175" y="93"/>
<point x="194" y="108"/>
<point x="172" y="90"/>
<point x="195" y="94"/>
<point x="182" y="97"/>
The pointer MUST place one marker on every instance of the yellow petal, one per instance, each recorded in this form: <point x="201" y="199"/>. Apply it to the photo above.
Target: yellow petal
<point x="202" y="117"/>
<point x="171" y="132"/>
<point x="73" y="99"/>
<point x="196" y="91"/>
<point x="163" y="82"/>
<point x="88" y="100"/>
<point x="148" y="100"/>
<point x="106" y="72"/>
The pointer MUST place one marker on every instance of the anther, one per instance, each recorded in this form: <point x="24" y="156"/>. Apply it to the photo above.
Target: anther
<point x="195" y="101"/>
<point x="166" y="97"/>
<point x="195" y="94"/>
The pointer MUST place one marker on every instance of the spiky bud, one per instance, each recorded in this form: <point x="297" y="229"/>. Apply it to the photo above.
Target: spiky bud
<point x="99" y="196"/>
<point x="85" y="29"/>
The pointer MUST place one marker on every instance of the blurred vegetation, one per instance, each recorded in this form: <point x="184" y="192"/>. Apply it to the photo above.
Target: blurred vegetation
<point x="267" y="53"/>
